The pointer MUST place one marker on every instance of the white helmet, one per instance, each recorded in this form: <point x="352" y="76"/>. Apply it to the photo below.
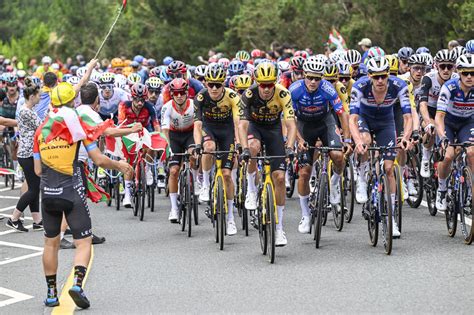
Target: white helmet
<point x="81" y="72"/>
<point x="200" y="71"/>
<point x="120" y="81"/>
<point x="314" y="65"/>
<point x="73" y="80"/>
<point x="465" y="61"/>
<point x="353" y="56"/>
<point x="428" y="59"/>
<point x="458" y="51"/>
<point x="46" y="59"/>
<point x="95" y="76"/>
<point x="444" y="55"/>
<point x="283" y="66"/>
<point x="377" y="64"/>
<point x="344" y="67"/>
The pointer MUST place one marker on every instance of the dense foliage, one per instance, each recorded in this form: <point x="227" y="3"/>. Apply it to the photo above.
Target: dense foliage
<point x="188" y="28"/>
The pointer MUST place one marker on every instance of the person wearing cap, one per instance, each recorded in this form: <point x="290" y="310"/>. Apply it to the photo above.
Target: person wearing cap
<point x="365" y="44"/>
<point x="62" y="189"/>
<point x="47" y="67"/>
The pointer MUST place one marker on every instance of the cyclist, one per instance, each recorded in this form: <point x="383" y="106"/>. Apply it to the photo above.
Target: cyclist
<point x="430" y="87"/>
<point x="177" y="121"/>
<point x="331" y="75"/>
<point x="353" y="57"/>
<point x="242" y="83"/>
<point x="295" y="73"/>
<point x="454" y="120"/>
<point x="110" y="97"/>
<point x="371" y="108"/>
<point x="262" y="106"/>
<point x="404" y="54"/>
<point x="345" y="75"/>
<point x="178" y="69"/>
<point x="154" y="85"/>
<point x="200" y="73"/>
<point x="216" y="116"/>
<point x="313" y="98"/>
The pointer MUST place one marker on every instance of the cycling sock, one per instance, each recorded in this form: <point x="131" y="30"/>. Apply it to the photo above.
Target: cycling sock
<point x="279" y="226"/>
<point x="79" y="274"/>
<point x="174" y="201"/>
<point x="393" y="198"/>
<point x="230" y="208"/>
<point x="52" y="288"/>
<point x="442" y="184"/>
<point x="304" y="206"/>
<point x="362" y="170"/>
<point x="251" y="182"/>
<point x="205" y="178"/>
<point x="426" y="153"/>
<point x="335" y="178"/>
<point x="128" y="184"/>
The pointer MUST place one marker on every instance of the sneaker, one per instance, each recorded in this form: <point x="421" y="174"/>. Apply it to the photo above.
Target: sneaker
<point x="78" y="296"/>
<point x="395" y="231"/>
<point x="231" y="228"/>
<point x="335" y="193"/>
<point x="51" y="302"/>
<point x="149" y="176"/>
<point x="121" y="189"/>
<point x="97" y="239"/>
<point x="361" y="192"/>
<point x="425" y="168"/>
<point x="441" y="200"/>
<point x="251" y="200"/>
<point x="204" y="194"/>
<point x="411" y="188"/>
<point x="65" y="244"/>
<point x="101" y="173"/>
<point x="38" y="226"/>
<point x="305" y="225"/>
<point x="17" y="225"/>
<point x="173" y="217"/>
<point x="280" y="238"/>
<point x="127" y="203"/>
<point x="19" y="173"/>
<point x="405" y="190"/>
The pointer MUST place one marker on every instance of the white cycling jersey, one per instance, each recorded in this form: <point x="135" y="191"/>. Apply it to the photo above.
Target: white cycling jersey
<point x="110" y="106"/>
<point x="176" y="118"/>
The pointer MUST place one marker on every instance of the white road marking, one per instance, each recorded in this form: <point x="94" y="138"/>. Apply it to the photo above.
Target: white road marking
<point x="14" y="231"/>
<point x="8" y="261"/>
<point x="9" y="197"/>
<point x="7" y="208"/>
<point x="15" y="297"/>
<point x="21" y="246"/>
<point x="39" y="251"/>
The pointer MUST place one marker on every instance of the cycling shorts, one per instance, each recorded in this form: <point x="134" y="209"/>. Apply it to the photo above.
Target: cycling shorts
<point x="324" y="130"/>
<point x="179" y="143"/>
<point x="432" y="112"/>
<point x="384" y="134"/>
<point x="459" y="131"/>
<point x="272" y="138"/>
<point x="223" y="135"/>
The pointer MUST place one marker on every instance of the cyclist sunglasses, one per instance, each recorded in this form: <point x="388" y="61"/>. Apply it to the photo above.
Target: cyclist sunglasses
<point x="176" y="75"/>
<point x="11" y="84"/>
<point x="180" y="92"/>
<point x="418" y="68"/>
<point x="154" y="91"/>
<point x="107" y="86"/>
<point x="446" y="66"/>
<point x="467" y="73"/>
<point x="344" y="79"/>
<point x="139" y="99"/>
<point x="212" y="85"/>
<point x="379" y="77"/>
<point x="312" y="78"/>
<point x="266" y="85"/>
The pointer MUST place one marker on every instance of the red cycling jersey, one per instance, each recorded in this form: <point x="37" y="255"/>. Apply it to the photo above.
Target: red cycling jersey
<point x="194" y="87"/>
<point x="147" y="115"/>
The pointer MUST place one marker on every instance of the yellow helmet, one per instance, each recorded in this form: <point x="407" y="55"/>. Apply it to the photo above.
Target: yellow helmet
<point x="265" y="72"/>
<point x="244" y="81"/>
<point x="62" y="94"/>
<point x="117" y="63"/>
<point x="331" y="71"/>
<point x="393" y="62"/>
<point x="215" y="73"/>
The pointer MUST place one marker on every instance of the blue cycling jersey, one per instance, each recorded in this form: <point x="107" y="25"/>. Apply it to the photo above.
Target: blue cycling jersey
<point x="452" y="101"/>
<point x="363" y="100"/>
<point x="314" y="106"/>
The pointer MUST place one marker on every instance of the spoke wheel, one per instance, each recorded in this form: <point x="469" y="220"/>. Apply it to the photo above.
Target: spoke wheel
<point x="270" y="224"/>
<point x="451" y="209"/>
<point x="221" y="212"/>
<point x="189" y="190"/>
<point x="117" y="193"/>
<point x="322" y="207"/>
<point x="349" y="191"/>
<point x="414" y="176"/>
<point x="465" y="201"/>
<point x="142" y="190"/>
<point x="371" y="211"/>
<point x="399" y="198"/>
<point x="385" y="208"/>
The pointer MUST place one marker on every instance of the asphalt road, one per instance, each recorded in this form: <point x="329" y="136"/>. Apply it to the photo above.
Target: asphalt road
<point x="153" y="267"/>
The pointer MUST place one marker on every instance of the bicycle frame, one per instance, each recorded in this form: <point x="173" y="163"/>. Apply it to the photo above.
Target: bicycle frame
<point x="267" y="181"/>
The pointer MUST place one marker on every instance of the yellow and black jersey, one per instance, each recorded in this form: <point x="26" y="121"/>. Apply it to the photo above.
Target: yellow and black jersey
<point x="253" y="108"/>
<point x="220" y="111"/>
<point x="343" y="95"/>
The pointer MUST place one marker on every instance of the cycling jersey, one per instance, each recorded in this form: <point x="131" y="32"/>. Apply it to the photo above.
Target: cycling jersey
<point x="7" y="109"/>
<point x="222" y="111"/>
<point x="146" y="116"/>
<point x="286" y="80"/>
<point x="194" y="86"/>
<point x="178" y="119"/>
<point x="110" y="106"/>
<point x="415" y="90"/>
<point x="453" y="101"/>
<point x="315" y="105"/>
<point x="343" y="96"/>
<point x="267" y="112"/>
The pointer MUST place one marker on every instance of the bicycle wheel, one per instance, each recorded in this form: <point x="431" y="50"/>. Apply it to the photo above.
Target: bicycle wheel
<point x="189" y="199"/>
<point x="290" y="166"/>
<point x="452" y="208"/>
<point x="182" y="201"/>
<point x="322" y="205"/>
<point x="349" y="191"/>
<point x="465" y="210"/>
<point x="414" y="176"/>
<point x="136" y="200"/>
<point x="142" y="190"/>
<point x="338" y="210"/>
<point x="262" y="229"/>
<point x="220" y="212"/>
<point x="386" y="212"/>
<point x="271" y="222"/>
<point x="241" y="199"/>
<point x="399" y="197"/>
<point x="117" y="182"/>
<point x="431" y="186"/>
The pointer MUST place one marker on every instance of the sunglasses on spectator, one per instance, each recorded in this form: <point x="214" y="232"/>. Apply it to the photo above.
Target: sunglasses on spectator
<point x="344" y="79"/>
<point x="467" y="73"/>
<point x="180" y="92"/>
<point x="446" y="66"/>
<point x="418" y="68"/>
<point x="312" y="78"/>
<point x="212" y="85"/>
<point x="379" y="77"/>
<point x="269" y="85"/>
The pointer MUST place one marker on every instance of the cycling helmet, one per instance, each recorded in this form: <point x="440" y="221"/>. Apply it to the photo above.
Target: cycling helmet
<point x="73" y="69"/>
<point x="242" y="55"/>
<point x="405" y="53"/>
<point x="296" y="63"/>
<point x="81" y="72"/>
<point x="302" y="53"/>
<point x="417" y="59"/>
<point x="377" y="65"/>
<point x="66" y="77"/>
<point x="73" y="80"/>
<point x="236" y="67"/>
<point x="331" y="71"/>
<point x="444" y="55"/>
<point x="393" y="62"/>
<point x="334" y="56"/>
<point x="265" y="72"/>
<point x="167" y="60"/>
<point x="344" y="67"/>
<point x="62" y="94"/>
<point x="352" y="56"/>
<point x="319" y="58"/>
<point x="314" y="65"/>
<point x="139" y="90"/>
<point x="46" y="59"/>
<point x="178" y="84"/>
<point x="155" y="72"/>
<point x="191" y="70"/>
<point x="21" y="74"/>
<point x="428" y="59"/>
<point x="117" y="63"/>
<point x="215" y="73"/>
<point x="176" y="67"/>
<point x="200" y="71"/>
<point x="164" y="75"/>
<point x="120" y="81"/>
<point x="375" y="52"/>
<point x="256" y="53"/>
<point x="283" y="66"/>
<point x="465" y="61"/>
<point x="224" y="62"/>
<point x="10" y="78"/>
<point x="107" y="78"/>
<point x="151" y="63"/>
<point x="470" y="46"/>
<point x="232" y="81"/>
<point x="7" y="62"/>
<point x="154" y="83"/>
<point x="134" y="64"/>
<point x="243" y="81"/>
<point x="35" y="80"/>
<point x="95" y="76"/>
<point x="134" y="78"/>
<point x="138" y="58"/>
<point x="422" y="50"/>
<point x="458" y="51"/>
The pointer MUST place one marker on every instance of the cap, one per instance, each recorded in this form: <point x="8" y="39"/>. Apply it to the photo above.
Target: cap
<point x="365" y="42"/>
<point x="62" y="94"/>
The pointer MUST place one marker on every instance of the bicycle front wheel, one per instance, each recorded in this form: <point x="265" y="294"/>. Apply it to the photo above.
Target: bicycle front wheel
<point x="338" y="210"/>
<point x="349" y="191"/>
<point x="413" y="176"/>
<point x="451" y="212"/>
<point x="399" y="197"/>
<point x="220" y="212"/>
<point x="386" y="213"/>
<point x="465" y="209"/>
<point x="189" y="199"/>
<point x="321" y="209"/>
<point x="291" y="178"/>
<point x="142" y="190"/>
<point x="270" y="222"/>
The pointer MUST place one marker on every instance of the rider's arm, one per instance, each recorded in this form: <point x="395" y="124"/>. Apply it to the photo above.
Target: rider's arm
<point x="244" y="123"/>
<point x="354" y="108"/>
<point x="441" y="108"/>
<point x="289" y="118"/>
<point x="165" y="119"/>
<point x="103" y="161"/>
<point x="7" y="122"/>
<point x="404" y="98"/>
<point x="36" y="154"/>
<point x="425" y="90"/>
<point x="235" y="114"/>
